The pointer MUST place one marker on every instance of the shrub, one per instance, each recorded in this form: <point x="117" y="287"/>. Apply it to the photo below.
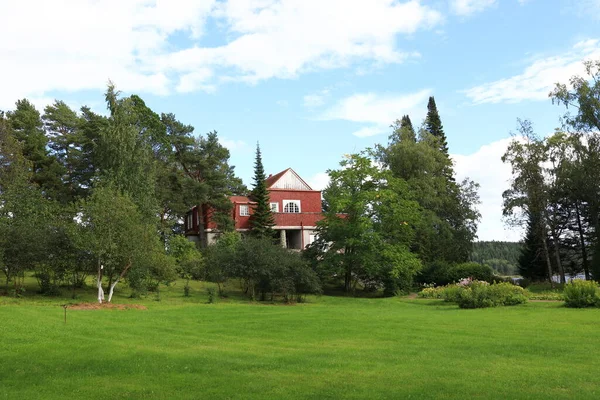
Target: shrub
<point x="481" y="295"/>
<point x="432" y="292"/>
<point x="580" y="293"/>
<point x="451" y="293"/>
<point x="211" y="295"/>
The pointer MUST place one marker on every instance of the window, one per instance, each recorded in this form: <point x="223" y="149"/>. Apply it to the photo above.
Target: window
<point x="291" y="206"/>
<point x="244" y="211"/>
<point x="312" y="238"/>
<point x="274" y="207"/>
<point x="189" y="221"/>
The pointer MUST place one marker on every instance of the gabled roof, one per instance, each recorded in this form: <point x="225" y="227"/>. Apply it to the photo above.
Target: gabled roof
<point x="287" y="179"/>
<point x="274" y="178"/>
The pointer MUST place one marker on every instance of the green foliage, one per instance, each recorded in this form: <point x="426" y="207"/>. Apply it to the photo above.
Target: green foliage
<point x="483" y="295"/>
<point x="367" y="230"/>
<point x="432" y="292"/>
<point x="189" y="262"/>
<point x="503" y="257"/>
<point x="441" y="273"/>
<point x="266" y="270"/>
<point x="261" y="220"/>
<point x="448" y="210"/>
<point x="579" y="294"/>
<point x="433" y="124"/>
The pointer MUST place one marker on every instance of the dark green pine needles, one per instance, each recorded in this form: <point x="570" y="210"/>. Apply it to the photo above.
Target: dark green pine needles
<point x="261" y="220"/>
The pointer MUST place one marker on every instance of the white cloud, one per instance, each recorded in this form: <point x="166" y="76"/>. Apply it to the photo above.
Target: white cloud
<point x="283" y="39"/>
<point x="378" y="110"/>
<point x="382" y="109"/>
<point x="75" y="45"/>
<point x="316" y="99"/>
<point x="584" y="8"/>
<point x="318" y="181"/>
<point x="72" y="45"/>
<point x="234" y="145"/>
<point x="470" y="7"/>
<point x="538" y="79"/>
<point x="486" y="168"/>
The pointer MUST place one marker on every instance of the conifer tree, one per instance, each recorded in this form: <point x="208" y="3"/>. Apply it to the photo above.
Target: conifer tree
<point x="406" y="128"/>
<point x="433" y="124"/>
<point x="262" y="220"/>
<point x="531" y="261"/>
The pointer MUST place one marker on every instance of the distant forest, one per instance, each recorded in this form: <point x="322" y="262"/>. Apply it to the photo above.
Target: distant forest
<point x="503" y="257"/>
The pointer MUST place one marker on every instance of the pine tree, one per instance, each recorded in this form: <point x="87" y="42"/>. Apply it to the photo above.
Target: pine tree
<point x="262" y="220"/>
<point x="531" y="261"/>
<point x="406" y="128"/>
<point x="433" y="124"/>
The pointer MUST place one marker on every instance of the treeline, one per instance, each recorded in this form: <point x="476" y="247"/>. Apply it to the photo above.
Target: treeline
<point x="502" y="257"/>
<point x="83" y="194"/>
<point x="556" y="185"/>
<point x="86" y="194"/>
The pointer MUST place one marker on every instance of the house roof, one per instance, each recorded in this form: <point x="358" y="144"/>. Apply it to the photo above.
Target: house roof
<point x="272" y="180"/>
<point x="240" y="199"/>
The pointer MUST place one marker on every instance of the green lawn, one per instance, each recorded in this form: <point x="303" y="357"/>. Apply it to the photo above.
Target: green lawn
<point x="330" y="348"/>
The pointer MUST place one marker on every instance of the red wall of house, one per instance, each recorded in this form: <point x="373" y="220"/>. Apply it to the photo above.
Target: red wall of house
<point x="310" y="207"/>
<point x="310" y="201"/>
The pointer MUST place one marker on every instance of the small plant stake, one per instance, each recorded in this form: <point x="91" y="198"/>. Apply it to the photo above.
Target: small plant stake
<point x="65" y="307"/>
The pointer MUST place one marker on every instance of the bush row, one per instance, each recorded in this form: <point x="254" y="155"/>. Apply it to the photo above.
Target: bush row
<point x="469" y="293"/>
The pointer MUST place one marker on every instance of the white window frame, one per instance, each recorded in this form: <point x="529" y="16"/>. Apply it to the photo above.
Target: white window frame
<point x="244" y="210"/>
<point x="274" y="207"/>
<point x="296" y="202"/>
<point x="190" y="221"/>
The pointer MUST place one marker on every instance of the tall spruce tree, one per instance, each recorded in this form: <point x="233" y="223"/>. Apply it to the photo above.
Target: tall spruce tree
<point x="262" y="220"/>
<point x="531" y="261"/>
<point x="433" y="124"/>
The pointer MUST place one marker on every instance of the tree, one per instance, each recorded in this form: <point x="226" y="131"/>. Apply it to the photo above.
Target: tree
<point x="208" y="179"/>
<point x="528" y="195"/>
<point x="125" y="154"/>
<point x="189" y="261"/>
<point x="118" y="236"/>
<point x="367" y="231"/>
<point x="531" y="262"/>
<point x="28" y="129"/>
<point x="24" y="211"/>
<point x="433" y="124"/>
<point x="62" y="126"/>
<point x="261" y="220"/>
<point x="450" y="215"/>
<point x="583" y="96"/>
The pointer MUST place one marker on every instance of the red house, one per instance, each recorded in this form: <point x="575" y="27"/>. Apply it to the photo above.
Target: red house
<point x="295" y="205"/>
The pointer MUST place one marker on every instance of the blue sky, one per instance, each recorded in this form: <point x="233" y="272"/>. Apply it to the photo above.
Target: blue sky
<point x="312" y="80"/>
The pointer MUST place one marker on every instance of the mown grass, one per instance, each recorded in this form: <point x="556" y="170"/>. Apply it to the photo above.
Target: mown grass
<point x="329" y="348"/>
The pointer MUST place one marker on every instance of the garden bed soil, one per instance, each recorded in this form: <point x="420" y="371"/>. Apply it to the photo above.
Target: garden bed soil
<point x="103" y="306"/>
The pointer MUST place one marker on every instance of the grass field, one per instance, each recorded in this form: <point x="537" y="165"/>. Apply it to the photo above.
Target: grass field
<point x="329" y="348"/>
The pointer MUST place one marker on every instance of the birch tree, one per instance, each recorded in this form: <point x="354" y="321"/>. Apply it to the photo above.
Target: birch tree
<point x="117" y="236"/>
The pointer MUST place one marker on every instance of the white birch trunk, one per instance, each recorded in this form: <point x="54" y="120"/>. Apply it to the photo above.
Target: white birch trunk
<point x="112" y="290"/>
<point x="99" y="283"/>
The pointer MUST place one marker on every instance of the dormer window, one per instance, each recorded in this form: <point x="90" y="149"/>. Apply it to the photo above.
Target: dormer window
<point x="291" y="206"/>
<point x="244" y="211"/>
